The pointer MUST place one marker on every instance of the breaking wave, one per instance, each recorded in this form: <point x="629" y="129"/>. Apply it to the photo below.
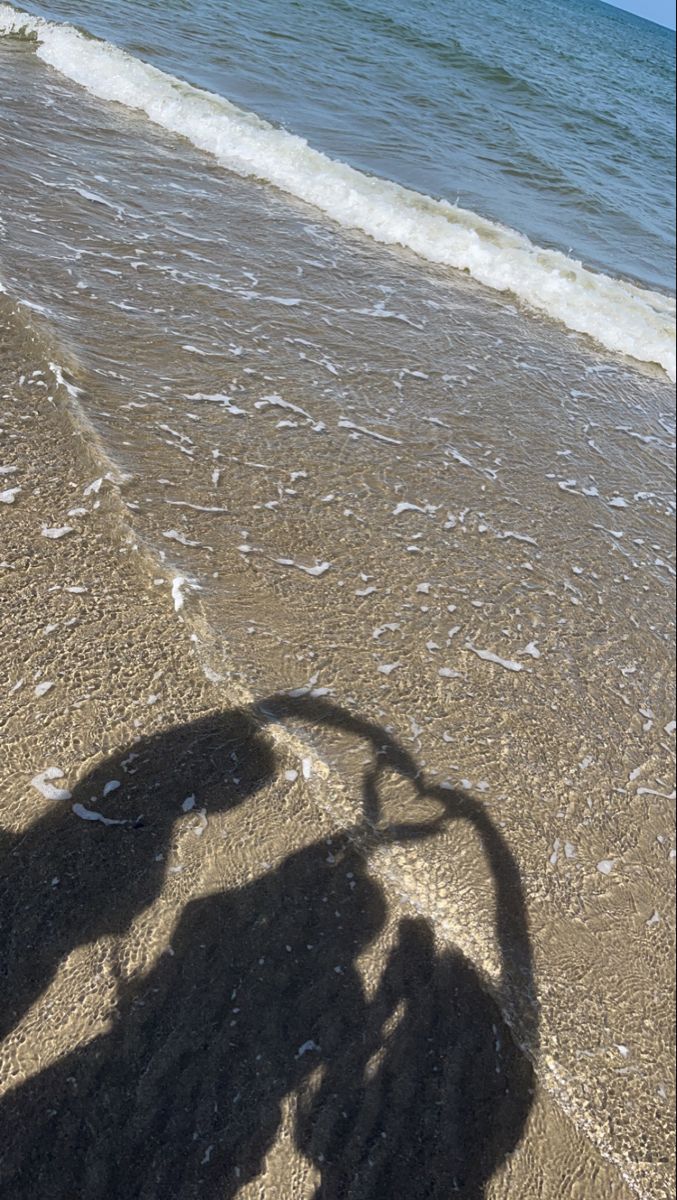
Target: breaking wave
<point x="621" y="316"/>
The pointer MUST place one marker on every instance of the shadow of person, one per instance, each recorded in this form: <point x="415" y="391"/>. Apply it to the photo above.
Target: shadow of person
<point x="429" y="1108"/>
<point x="68" y="880"/>
<point x="182" y="1098"/>
<point x="418" y="1091"/>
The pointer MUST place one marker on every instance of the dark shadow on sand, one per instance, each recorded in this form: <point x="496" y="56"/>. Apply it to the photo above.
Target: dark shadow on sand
<point x="417" y="1091"/>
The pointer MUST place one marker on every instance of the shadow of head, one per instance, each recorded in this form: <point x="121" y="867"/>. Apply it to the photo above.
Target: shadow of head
<point x="90" y="864"/>
<point x="214" y="763"/>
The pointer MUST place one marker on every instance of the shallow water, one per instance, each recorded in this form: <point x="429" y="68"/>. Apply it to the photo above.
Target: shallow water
<point x="354" y="473"/>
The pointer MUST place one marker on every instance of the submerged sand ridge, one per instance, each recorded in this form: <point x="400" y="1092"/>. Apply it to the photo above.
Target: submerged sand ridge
<point x="278" y="459"/>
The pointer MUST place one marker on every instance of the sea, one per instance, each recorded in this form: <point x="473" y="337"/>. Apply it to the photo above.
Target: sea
<point x="367" y="312"/>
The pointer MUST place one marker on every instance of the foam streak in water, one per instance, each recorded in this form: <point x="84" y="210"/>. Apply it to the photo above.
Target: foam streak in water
<point x="623" y="318"/>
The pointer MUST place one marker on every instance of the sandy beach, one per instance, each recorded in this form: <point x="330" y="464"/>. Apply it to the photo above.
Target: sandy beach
<point x="221" y="850"/>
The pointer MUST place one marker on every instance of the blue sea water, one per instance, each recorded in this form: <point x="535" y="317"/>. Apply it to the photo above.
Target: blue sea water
<point x="552" y="118"/>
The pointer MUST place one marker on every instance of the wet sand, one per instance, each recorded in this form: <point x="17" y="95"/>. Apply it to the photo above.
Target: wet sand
<point x="230" y="992"/>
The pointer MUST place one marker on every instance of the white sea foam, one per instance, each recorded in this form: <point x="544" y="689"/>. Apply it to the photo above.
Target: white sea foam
<point x="57" y="531"/>
<point x="175" y="535"/>
<point x="43" y="784"/>
<point x="344" y="423"/>
<point x="90" y="814"/>
<point x="623" y="318"/>
<point x="318" y="569"/>
<point x="489" y="656"/>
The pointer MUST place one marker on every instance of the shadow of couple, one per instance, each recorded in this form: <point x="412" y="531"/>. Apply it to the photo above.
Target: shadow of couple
<point x="417" y="1090"/>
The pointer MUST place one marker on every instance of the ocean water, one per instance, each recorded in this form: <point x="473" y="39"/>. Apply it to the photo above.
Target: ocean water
<point x="552" y="118"/>
<point x="367" y="318"/>
<point x="415" y="127"/>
